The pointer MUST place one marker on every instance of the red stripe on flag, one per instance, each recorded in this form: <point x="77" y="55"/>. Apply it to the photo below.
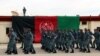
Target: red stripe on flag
<point x="46" y="22"/>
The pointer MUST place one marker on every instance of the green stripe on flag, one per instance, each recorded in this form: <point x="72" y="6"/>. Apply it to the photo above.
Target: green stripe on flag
<point x="68" y="22"/>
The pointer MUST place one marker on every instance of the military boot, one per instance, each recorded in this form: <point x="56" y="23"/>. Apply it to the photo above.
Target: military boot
<point x="66" y="51"/>
<point x="9" y="52"/>
<point x="72" y="51"/>
<point x="88" y="51"/>
<point x="54" y="51"/>
<point x="15" y="52"/>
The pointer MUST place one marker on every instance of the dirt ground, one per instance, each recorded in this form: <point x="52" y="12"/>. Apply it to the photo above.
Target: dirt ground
<point x="40" y="52"/>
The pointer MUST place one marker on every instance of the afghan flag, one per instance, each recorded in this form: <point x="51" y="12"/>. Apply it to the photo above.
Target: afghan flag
<point x="36" y="23"/>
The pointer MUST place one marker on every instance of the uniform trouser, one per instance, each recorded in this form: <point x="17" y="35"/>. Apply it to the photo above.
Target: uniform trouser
<point x="69" y="45"/>
<point x="98" y="44"/>
<point x="22" y="44"/>
<point x="59" y="44"/>
<point x="12" y="46"/>
<point x="27" y="45"/>
<point x="52" y="47"/>
<point x="32" y="47"/>
<point x="75" y="42"/>
<point x="91" y="43"/>
<point x="86" y="45"/>
<point x="81" y="44"/>
<point x="94" y="42"/>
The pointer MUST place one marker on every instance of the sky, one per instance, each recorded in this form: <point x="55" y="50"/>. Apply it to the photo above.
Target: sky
<point x="51" y="7"/>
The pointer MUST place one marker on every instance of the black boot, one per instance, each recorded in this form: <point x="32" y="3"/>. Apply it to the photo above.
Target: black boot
<point x="88" y="51"/>
<point x="63" y="48"/>
<point x="49" y="51"/>
<point x="54" y="51"/>
<point x="72" y="51"/>
<point x="77" y="47"/>
<point x="84" y="50"/>
<point x="60" y="48"/>
<point x="80" y="50"/>
<point x="33" y="51"/>
<point x="9" y="52"/>
<point x="42" y="47"/>
<point x="26" y="52"/>
<point x="15" y="52"/>
<point x="66" y="51"/>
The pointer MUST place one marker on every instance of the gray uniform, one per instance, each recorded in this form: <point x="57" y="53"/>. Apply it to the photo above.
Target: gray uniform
<point x="28" y="42"/>
<point x="86" y="41"/>
<point x="12" y="43"/>
<point x="80" y="39"/>
<point x="69" y="41"/>
<point x="97" y="39"/>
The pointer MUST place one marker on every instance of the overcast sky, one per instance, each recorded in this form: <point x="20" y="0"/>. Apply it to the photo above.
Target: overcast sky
<point x="51" y="7"/>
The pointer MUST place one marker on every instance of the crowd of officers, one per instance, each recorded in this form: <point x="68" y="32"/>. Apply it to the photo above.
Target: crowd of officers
<point x="27" y="42"/>
<point x="68" y="40"/>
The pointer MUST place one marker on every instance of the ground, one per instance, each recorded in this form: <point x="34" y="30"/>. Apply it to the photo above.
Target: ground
<point x="40" y="52"/>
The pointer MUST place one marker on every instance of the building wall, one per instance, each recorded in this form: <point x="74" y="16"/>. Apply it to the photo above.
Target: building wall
<point x="83" y="26"/>
<point x="94" y="25"/>
<point x="90" y="25"/>
<point x="3" y="36"/>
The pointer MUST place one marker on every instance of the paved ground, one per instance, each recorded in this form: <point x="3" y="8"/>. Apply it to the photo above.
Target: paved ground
<point x="40" y="52"/>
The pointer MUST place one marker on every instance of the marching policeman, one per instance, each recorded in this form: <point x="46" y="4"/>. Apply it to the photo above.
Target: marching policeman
<point x="86" y="41"/>
<point x="90" y="33"/>
<point x="12" y="42"/>
<point x="28" y="41"/>
<point x="52" y="42"/>
<point x="80" y="39"/>
<point x="70" y="39"/>
<point x="97" y="39"/>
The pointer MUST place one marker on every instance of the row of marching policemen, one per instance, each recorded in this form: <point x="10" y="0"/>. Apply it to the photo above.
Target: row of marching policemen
<point x="68" y="40"/>
<point x="27" y="42"/>
<point x="52" y="41"/>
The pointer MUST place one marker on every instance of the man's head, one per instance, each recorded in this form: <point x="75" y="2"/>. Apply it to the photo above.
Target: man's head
<point x="11" y="29"/>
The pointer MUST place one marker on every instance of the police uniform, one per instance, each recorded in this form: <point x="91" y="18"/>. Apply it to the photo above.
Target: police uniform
<point x="12" y="43"/>
<point x="69" y="43"/>
<point x="86" y="41"/>
<point x="28" y="42"/>
<point x="97" y="39"/>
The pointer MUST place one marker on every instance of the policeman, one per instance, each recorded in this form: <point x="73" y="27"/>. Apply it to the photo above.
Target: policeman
<point x="80" y="39"/>
<point x="75" y="34"/>
<point x="62" y="36"/>
<point x="90" y="33"/>
<point x="52" y="42"/>
<point x="76" y="38"/>
<point x="58" y="43"/>
<point x="42" y="38"/>
<point x="57" y="39"/>
<point x="66" y="41"/>
<point x="70" y="39"/>
<point x="46" y="40"/>
<point x="28" y="41"/>
<point x="86" y="41"/>
<point x="97" y="38"/>
<point x="12" y="42"/>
